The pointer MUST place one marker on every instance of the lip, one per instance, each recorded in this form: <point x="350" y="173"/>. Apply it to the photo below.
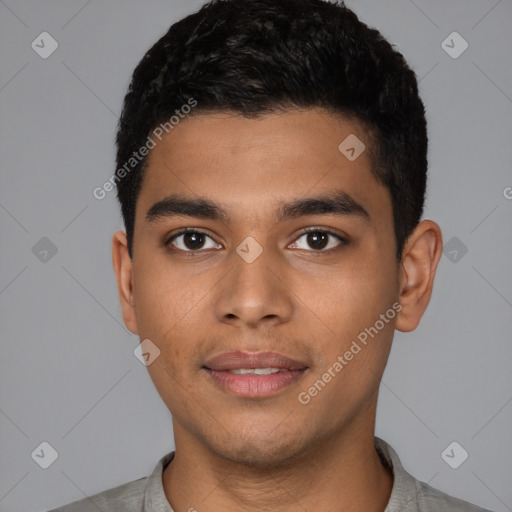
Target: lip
<point x="240" y="359"/>
<point x="250" y="385"/>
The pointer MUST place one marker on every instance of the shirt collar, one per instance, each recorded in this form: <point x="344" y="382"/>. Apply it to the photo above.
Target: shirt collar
<point x="403" y="494"/>
<point x="154" y="495"/>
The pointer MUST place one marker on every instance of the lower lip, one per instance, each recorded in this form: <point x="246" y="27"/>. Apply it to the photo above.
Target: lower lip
<point x="252" y="386"/>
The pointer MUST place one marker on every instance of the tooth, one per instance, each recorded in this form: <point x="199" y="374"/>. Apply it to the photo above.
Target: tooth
<point x="262" y="371"/>
<point x="255" y="371"/>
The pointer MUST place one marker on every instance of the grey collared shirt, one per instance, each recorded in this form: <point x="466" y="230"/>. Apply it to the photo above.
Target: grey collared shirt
<point x="147" y="494"/>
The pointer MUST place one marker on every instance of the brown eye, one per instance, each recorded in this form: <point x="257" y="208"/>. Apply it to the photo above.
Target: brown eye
<point x="319" y="240"/>
<point x="192" y="241"/>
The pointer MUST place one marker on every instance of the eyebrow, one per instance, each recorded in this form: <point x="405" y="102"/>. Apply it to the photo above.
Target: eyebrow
<point x="334" y="203"/>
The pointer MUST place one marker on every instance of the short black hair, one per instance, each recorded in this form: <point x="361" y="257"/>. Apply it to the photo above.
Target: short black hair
<point x="256" y="57"/>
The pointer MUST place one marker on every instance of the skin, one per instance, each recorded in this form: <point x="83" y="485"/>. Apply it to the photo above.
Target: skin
<point x="309" y="304"/>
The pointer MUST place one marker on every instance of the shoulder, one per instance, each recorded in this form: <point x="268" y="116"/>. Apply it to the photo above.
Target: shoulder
<point x="128" y="497"/>
<point x="431" y="499"/>
<point x="412" y="495"/>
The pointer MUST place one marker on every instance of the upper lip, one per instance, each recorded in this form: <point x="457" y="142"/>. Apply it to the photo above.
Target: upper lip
<point x="239" y="359"/>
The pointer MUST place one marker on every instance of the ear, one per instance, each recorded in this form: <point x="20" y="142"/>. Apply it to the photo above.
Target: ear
<point x="123" y="268"/>
<point x="420" y="258"/>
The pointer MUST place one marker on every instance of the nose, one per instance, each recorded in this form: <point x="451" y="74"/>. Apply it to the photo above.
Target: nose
<point x="254" y="293"/>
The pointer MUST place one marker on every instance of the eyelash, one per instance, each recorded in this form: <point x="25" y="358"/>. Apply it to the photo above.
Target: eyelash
<point x="343" y="241"/>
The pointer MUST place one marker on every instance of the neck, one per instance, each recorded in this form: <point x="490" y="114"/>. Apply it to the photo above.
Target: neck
<point x="342" y="473"/>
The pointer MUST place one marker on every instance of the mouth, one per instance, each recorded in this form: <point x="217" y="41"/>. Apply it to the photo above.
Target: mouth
<point x="254" y="375"/>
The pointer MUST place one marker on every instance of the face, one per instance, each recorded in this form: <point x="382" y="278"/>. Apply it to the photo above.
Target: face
<point x="288" y="262"/>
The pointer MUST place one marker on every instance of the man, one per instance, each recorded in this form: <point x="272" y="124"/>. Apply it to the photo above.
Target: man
<point x="271" y="171"/>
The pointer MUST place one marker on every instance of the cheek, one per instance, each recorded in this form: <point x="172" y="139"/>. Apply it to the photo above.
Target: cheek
<point x="163" y="298"/>
<point x="175" y="370"/>
<point x="362" y="292"/>
<point x="352" y="306"/>
<point x="169" y="314"/>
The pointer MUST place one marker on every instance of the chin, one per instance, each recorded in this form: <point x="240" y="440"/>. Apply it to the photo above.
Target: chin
<point x="259" y="456"/>
<point x="254" y="448"/>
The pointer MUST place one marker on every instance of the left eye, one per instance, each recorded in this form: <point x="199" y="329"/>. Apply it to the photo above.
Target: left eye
<point x="319" y="240"/>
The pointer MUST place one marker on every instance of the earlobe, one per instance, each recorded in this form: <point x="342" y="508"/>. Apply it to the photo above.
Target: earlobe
<point x="123" y="269"/>
<point x="420" y="259"/>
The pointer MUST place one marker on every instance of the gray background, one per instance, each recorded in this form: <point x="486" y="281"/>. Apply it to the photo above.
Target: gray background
<point x="68" y="374"/>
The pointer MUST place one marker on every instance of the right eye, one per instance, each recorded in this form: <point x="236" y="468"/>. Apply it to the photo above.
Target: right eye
<point x="191" y="240"/>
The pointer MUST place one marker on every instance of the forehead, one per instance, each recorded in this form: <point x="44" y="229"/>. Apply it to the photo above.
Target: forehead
<point x="251" y="164"/>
